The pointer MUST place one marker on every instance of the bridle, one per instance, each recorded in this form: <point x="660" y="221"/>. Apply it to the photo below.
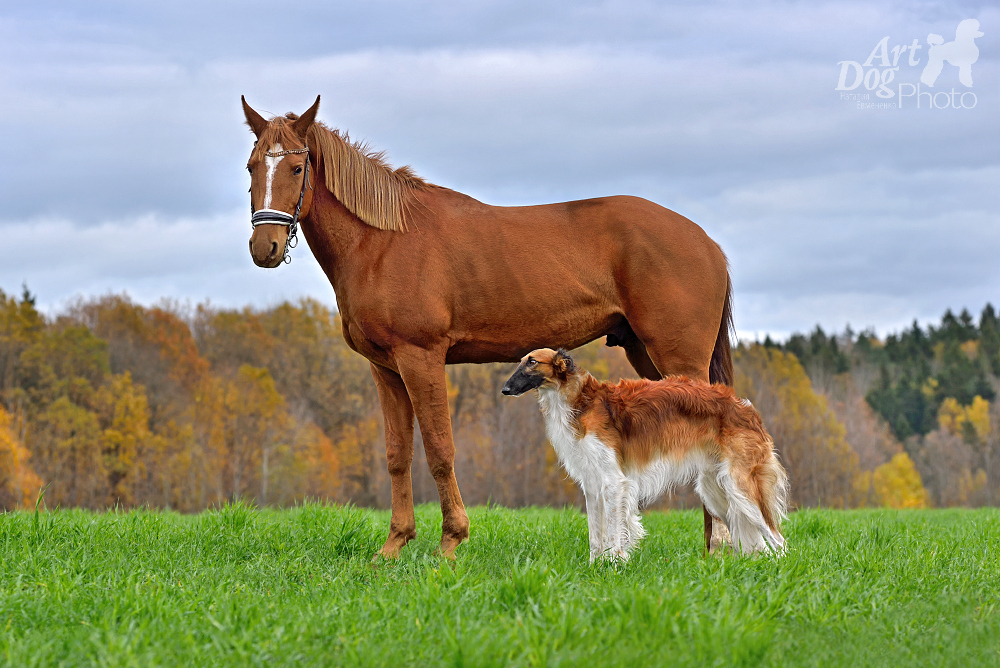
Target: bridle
<point x="275" y="217"/>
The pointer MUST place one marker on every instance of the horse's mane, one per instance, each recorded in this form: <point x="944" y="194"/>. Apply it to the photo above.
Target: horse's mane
<point x="358" y="176"/>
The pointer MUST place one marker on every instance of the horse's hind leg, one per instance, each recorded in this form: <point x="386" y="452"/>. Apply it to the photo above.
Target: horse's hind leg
<point x="398" y="414"/>
<point x="638" y="357"/>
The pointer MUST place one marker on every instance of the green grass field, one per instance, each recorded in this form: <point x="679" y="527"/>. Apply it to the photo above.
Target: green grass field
<point x="240" y="587"/>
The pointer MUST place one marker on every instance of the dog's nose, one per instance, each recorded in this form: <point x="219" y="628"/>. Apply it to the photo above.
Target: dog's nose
<point x="507" y="390"/>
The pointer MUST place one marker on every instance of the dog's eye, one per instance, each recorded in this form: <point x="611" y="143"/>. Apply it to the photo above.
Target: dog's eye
<point x="532" y="362"/>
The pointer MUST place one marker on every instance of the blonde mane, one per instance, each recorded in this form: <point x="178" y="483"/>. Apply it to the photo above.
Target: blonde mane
<point x="359" y="177"/>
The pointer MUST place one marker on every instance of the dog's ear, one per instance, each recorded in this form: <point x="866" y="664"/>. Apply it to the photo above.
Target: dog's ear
<point x="563" y="364"/>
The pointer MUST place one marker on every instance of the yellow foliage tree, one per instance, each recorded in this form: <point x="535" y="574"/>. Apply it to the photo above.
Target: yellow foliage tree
<point x="257" y="427"/>
<point x="897" y="484"/>
<point x="124" y="414"/>
<point x="68" y="454"/>
<point x="822" y="467"/>
<point x="18" y="482"/>
<point x="320" y="461"/>
<point x="356" y="450"/>
<point x="972" y="424"/>
<point x="972" y="420"/>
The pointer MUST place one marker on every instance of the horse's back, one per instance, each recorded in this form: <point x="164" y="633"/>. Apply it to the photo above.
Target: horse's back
<point x="562" y="274"/>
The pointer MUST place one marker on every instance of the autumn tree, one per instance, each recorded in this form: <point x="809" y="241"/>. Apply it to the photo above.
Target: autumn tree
<point x="822" y="467"/>
<point x="19" y="484"/>
<point x="115" y="403"/>
<point x="897" y="484"/>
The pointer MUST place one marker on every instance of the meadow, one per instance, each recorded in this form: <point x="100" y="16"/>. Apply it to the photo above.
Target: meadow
<point x="241" y="586"/>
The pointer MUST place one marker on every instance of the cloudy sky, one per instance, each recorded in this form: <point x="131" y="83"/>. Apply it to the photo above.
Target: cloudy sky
<point x="124" y="149"/>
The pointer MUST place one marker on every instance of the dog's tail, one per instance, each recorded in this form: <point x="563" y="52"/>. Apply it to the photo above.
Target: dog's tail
<point x="771" y="484"/>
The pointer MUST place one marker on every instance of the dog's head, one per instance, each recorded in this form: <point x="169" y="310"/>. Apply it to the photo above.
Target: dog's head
<point x="968" y="29"/>
<point x="540" y="368"/>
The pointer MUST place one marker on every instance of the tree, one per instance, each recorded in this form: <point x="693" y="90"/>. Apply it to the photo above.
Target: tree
<point x="822" y="467"/>
<point x="68" y="455"/>
<point x="257" y="428"/>
<point x="124" y="415"/>
<point x="989" y="341"/>
<point x="18" y="482"/>
<point x="897" y="484"/>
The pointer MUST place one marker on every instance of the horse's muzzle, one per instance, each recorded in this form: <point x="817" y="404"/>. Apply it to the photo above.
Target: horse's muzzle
<point x="267" y="245"/>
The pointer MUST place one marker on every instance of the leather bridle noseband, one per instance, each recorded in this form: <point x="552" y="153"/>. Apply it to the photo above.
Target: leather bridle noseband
<point x="275" y="217"/>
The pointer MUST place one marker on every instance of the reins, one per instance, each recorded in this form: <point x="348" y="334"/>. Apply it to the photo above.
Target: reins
<point x="275" y="217"/>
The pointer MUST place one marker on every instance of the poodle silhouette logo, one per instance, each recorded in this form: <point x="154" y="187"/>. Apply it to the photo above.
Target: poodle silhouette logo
<point x="962" y="53"/>
<point x="880" y="70"/>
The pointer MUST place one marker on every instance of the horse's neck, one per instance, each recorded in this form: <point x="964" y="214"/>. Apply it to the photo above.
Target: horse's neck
<point x="334" y="235"/>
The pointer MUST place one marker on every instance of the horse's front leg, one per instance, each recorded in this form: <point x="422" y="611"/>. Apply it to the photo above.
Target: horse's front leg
<point x="426" y="384"/>
<point x="398" y="414"/>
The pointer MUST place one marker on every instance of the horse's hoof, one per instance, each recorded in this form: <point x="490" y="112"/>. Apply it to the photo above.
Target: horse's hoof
<point x="720" y="537"/>
<point x="449" y="545"/>
<point x="394" y="544"/>
<point x="382" y="555"/>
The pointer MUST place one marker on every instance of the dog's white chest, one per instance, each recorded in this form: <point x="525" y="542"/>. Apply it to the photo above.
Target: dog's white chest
<point x="587" y="460"/>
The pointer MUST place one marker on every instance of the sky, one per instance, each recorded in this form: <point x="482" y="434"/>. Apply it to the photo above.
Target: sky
<point x="124" y="145"/>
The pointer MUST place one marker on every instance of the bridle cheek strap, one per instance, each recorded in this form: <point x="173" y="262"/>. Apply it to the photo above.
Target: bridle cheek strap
<point x="275" y="217"/>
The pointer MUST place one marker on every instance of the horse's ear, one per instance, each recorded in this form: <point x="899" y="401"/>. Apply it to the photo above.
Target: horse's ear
<point x="305" y="121"/>
<point x="254" y="120"/>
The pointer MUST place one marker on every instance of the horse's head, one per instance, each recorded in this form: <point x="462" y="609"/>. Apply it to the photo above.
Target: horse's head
<point x="280" y="182"/>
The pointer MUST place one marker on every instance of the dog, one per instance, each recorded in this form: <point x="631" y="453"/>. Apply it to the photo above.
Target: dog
<point x="628" y="443"/>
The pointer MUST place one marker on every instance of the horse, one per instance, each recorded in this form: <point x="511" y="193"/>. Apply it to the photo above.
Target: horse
<point x="425" y="276"/>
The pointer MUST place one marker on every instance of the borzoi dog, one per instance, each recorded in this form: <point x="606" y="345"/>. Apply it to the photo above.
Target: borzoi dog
<point x="628" y="443"/>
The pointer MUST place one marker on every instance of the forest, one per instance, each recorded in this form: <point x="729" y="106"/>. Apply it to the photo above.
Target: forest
<point x="110" y="403"/>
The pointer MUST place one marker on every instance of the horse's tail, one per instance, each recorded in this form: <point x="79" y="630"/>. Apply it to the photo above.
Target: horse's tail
<point x="720" y="369"/>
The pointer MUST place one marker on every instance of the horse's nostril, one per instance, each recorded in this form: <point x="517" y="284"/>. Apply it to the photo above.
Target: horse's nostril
<point x="274" y="248"/>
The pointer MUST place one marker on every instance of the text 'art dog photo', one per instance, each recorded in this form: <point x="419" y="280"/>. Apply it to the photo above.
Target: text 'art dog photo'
<point x="659" y="334"/>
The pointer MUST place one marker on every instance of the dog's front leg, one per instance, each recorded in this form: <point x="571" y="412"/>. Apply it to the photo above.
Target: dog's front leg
<point x="595" y="522"/>
<point x="615" y="520"/>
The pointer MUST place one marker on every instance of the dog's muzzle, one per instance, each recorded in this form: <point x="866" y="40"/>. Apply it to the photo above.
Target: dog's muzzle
<point x="521" y="382"/>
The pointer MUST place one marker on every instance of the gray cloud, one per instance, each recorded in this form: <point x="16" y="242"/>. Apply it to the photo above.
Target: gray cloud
<point x="125" y="129"/>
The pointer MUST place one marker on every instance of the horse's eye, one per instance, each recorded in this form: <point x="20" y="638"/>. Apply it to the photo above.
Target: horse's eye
<point x="250" y="169"/>
<point x="298" y="170"/>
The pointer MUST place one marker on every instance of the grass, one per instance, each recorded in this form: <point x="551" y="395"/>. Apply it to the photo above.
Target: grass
<point x="246" y="587"/>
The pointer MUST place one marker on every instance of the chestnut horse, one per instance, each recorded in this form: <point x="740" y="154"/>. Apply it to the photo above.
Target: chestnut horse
<point x="426" y="276"/>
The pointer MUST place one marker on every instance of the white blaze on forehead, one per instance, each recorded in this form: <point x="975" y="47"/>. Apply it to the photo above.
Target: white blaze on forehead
<point x="272" y="166"/>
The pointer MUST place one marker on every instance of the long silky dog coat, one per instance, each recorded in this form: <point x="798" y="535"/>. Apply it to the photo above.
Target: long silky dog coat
<point x="628" y="443"/>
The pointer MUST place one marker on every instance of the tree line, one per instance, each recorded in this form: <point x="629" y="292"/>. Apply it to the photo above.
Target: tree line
<point x="933" y="390"/>
<point x="110" y="403"/>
